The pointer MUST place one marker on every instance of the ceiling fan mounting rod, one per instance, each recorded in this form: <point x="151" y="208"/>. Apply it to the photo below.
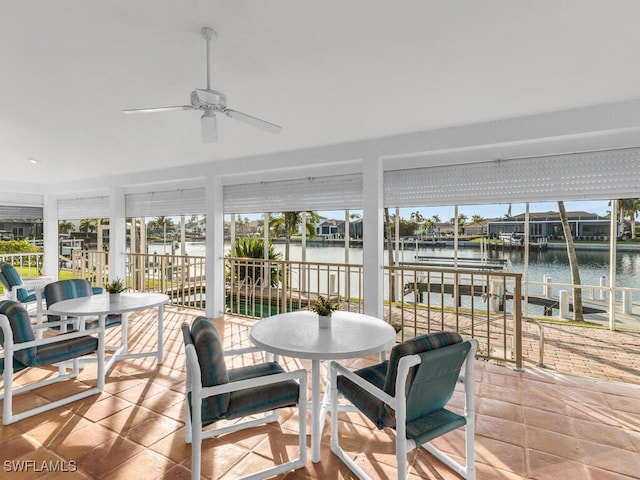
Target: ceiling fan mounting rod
<point x="208" y="33"/>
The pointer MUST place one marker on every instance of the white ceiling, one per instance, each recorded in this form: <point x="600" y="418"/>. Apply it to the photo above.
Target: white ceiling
<point x="329" y="72"/>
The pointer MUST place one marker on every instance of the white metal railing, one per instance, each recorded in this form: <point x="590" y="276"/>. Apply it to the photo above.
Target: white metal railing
<point x="27" y="264"/>
<point x="30" y="264"/>
<point x="182" y="277"/>
<point x="595" y="297"/>
<point x="257" y="288"/>
<point x="482" y="304"/>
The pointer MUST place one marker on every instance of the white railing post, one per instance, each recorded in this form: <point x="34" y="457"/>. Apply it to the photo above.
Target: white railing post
<point x="603" y="285"/>
<point x="563" y="304"/>
<point x="547" y="289"/>
<point x="627" y="304"/>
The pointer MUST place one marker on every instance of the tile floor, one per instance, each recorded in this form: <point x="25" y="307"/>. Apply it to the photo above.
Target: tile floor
<point x="536" y="424"/>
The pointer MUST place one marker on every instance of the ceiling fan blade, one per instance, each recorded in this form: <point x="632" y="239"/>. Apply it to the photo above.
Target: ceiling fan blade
<point x="158" y="109"/>
<point x="256" y="122"/>
<point x="209" y="125"/>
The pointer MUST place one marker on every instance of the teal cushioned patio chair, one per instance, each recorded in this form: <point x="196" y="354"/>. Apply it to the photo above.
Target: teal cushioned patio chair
<point x="21" y="350"/>
<point x="409" y="393"/>
<point x="215" y="393"/>
<point x="15" y="289"/>
<point x="76" y="288"/>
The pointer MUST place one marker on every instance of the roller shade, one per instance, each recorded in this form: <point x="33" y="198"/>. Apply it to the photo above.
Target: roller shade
<point x="579" y="176"/>
<point x="17" y="212"/>
<point x="335" y="192"/>
<point x="188" y="201"/>
<point x="79" y="208"/>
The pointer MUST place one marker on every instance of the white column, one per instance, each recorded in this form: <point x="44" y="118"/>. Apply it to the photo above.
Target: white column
<point x="347" y="236"/>
<point x="456" y="226"/>
<point x="117" y="233"/>
<point x="50" y="236"/>
<point x="347" y="260"/>
<point x="613" y="236"/>
<point x="215" y="248"/>
<point x="525" y="276"/>
<point x="372" y="237"/>
<point x="182" y="234"/>
<point x="303" y="257"/>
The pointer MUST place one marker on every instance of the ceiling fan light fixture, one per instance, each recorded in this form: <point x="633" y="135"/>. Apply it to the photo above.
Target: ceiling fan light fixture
<point x="209" y="124"/>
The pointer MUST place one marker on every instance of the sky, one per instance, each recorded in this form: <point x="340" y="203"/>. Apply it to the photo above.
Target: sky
<point x="445" y="213"/>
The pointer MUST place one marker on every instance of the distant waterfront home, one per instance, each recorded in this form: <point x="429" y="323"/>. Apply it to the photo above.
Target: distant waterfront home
<point x="584" y="225"/>
<point x="475" y="229"/>
<point x="330" y="227"/>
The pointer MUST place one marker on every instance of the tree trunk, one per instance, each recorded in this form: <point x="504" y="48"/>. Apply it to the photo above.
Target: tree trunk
<point x="287" y="237"/>
<point x="573" y="265"/>
<point x="392" y="290"/>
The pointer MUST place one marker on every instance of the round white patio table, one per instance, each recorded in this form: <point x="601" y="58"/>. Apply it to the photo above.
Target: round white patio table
<point x="100" y="305"/>
<point x="296" y="334"/>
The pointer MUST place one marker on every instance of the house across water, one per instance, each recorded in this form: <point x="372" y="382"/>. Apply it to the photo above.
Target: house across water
<point x="584" y="226"/>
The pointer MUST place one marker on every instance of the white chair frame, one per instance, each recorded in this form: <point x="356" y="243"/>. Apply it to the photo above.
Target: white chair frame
<point x="80" y="322"/>
<point x="194" y="433"/>
<point x="10" y="348"/>
<point x="37" y="285"/>
<point x="399" y="404"/>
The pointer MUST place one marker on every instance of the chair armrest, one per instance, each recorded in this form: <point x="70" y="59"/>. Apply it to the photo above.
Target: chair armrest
<point x="300" y="375"/>
<point x="63" y="322"/>
<point x="9" y="344"/>
<point x="269" y="357"/>
<point x="241" y="351"/>
<point x="336" y="368"/>
<point x="13" y="293"/>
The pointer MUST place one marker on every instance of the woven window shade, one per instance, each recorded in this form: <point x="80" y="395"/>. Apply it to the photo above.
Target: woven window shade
<point x="79" y="208"/>
<point x="17" y="212"/>
<point x="313" y="193"/>
<point x="593" y="175"/>
<point x="188" y="201"/>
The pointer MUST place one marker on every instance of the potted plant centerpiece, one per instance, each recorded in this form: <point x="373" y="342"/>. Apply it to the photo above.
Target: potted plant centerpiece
<point x="324" y="308"/>
<point x="114" y="289"/>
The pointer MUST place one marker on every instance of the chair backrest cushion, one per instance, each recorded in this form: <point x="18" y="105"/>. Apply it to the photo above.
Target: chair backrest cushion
<point x="11" y="278"/>
<point x="213" y="369"/>
<point x="21" y="328"/>
<point x="435" y="379"/>
<point x="64" y="290"/>
<point x="422" y="343"/>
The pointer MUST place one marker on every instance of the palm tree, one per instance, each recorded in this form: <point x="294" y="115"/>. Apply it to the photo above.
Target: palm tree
<point x="477" y="218"/>
<point x="66" y="226"/>
<point x="88" y="225"/>
<point x="250" y="247"/>
<point x="435" y="218"/>
<point x="428" y="224"/>
<point x="630" y="207"/>
<point x="289" y="222"/>
<point x="418" y="219"/>
<point x="573" y="265"/>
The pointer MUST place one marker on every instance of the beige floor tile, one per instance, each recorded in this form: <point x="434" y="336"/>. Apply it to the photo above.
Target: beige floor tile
<point x="535" y="424"/>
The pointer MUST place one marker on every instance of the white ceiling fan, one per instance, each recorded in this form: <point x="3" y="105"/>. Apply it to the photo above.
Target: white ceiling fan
<point x="211" y="102"/>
